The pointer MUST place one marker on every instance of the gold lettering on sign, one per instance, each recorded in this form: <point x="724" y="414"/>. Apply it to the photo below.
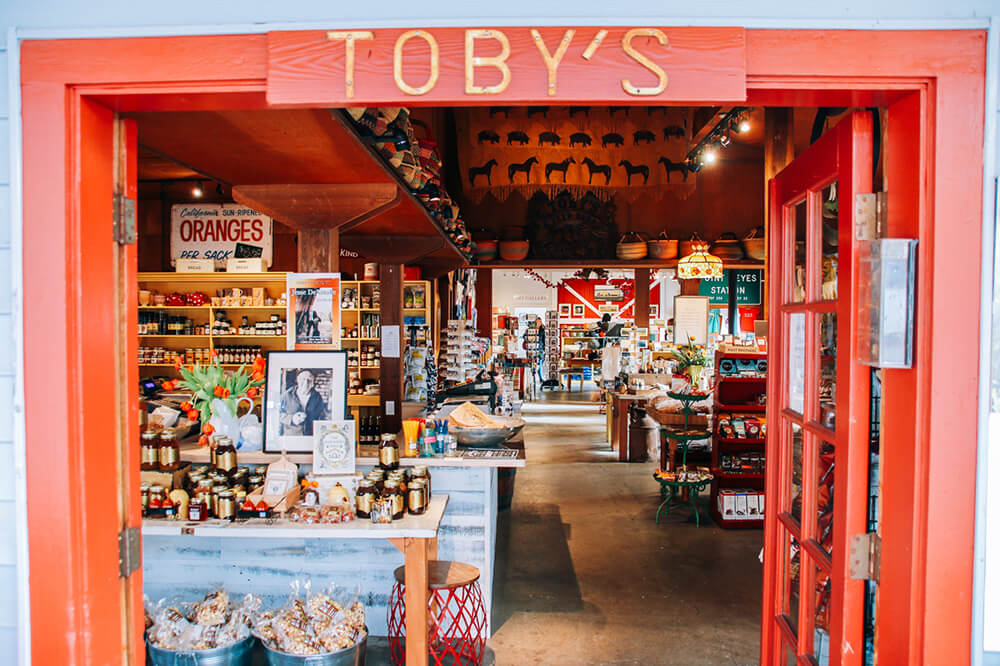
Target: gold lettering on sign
<point x="552" y="62"/>
<point x="643" y="60"/>
<point x="499" y="61"/>
<point x="349" y="37"/>
<point x="397" y="62"/>
<point x="594" y="43"/>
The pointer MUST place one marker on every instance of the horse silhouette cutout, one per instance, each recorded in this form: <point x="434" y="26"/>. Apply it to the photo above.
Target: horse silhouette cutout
<point x="612" y="138"/>
<point x="631" y="169"/>
<point x="581" y="138"/>
<point x="573" y="110"/>
<point x="669" y="166"/>
<point x="558" y="166"/>
<point x="524" y="166"/>
<point x="544" y="110"/>
<point x="489" y="136"/>
<point x="643" y="135"/>
<point x="674" y="131"/>
<point x="612" y="110"/>
<point x="549" y="137"/>
<point x="517" y="137"/>
<point x="505" y="110"/>
<point x="484" y="170"/>
<point x="593" y="167"/>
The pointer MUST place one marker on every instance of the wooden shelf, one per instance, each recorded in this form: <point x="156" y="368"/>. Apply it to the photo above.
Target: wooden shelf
<point x="752" y="409"/>
<point x="604" y="263"/>
<point x="741" y="441"/>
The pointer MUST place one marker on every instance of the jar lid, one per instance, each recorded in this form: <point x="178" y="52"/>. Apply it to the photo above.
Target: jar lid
<point x="391" y="483"/>
<point x="149" y="434"/>
<point x="227" y="494"/>
<point x="388" y="437"/>
<point x="168" y="433"/>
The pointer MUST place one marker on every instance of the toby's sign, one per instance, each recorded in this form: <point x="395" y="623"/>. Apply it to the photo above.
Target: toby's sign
<point x="512" y="65"/>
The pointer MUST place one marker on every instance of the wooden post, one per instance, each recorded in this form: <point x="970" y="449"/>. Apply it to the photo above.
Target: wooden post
<point x="319" y="251"/>
<point x="484" y="303"/>
<point x="779" y="150"/>
<point x="689" y="287"/>
<point x="415" y="598"/>
<point x="641" y="297"/>
<point x="391" y="369"/>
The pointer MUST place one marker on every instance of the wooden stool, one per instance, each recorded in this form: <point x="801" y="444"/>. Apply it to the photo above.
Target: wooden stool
<point x="456" y="622"/>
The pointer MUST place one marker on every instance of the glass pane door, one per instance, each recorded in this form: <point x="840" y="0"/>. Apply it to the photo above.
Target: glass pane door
<point x="811" y="608"/>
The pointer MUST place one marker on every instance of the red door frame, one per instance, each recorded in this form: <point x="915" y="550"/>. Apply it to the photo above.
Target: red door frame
<point x="843" y="155"/>
<point x="935" y="82"/>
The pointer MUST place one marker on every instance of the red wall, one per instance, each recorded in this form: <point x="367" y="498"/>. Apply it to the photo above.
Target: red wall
<point x="585" y="288"/>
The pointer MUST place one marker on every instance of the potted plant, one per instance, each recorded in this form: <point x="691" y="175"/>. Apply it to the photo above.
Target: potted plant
<point x="690" y="360"/>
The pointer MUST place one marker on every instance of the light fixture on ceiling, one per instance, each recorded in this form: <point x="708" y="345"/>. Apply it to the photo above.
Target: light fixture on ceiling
<point x="705" y="152"/>
<point x="708" y="157"/>
<point x="700" y="264"/>
<point x="744" y="126"/>
<point x="197" y="190"/>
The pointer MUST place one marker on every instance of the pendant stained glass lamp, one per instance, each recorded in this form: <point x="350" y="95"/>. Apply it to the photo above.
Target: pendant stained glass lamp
<point x="700" y="264"/>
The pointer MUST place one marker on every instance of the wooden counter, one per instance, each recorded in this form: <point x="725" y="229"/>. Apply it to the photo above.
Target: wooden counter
<point x="414" y="536"/>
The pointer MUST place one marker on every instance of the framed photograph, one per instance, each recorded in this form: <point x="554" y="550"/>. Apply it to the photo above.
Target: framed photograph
<point x="564" y="309"/>
<point x="334" y="444"/>
<point x="313" y="310"/>
<point x="578" y="310"/>
<point x="654" y="311"/>
<point x="302" y="387"/>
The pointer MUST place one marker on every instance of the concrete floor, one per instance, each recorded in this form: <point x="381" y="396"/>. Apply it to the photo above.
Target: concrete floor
<point x="585" y="576"/>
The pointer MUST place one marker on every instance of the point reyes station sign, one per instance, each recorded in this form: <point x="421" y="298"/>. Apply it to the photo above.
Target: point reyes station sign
<point x="508" y="65"/>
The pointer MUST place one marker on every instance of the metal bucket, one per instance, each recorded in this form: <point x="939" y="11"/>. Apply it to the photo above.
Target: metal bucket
<point x="352" y="656"/>
<point x="237" y="654"/>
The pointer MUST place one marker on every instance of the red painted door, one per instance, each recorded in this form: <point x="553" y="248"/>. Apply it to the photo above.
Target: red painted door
<point x="817" y="461"/>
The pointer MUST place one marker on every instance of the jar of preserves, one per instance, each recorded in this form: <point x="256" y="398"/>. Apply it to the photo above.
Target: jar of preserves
<point x="144" y="496"/>
<point x="156" y="496"/>
<point x="197" y="510"/>
<point x="388" y="452"/>
<point x="255" y="481"/>
<point x="365" y="498"/>
<point x="226" y="505"/>
<point x="416" y="497"/>
<point x="149" y="453"/>
<point x="420" y="472"/>
<point x="170" y="451"/>
<point x="225" y="455"/>
<point x="216" y="491"/>
<point x="396" y="497"/>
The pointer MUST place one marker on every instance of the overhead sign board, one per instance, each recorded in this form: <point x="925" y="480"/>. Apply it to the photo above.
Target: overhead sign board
<point x="748" y="281"/>
<point x="219" y="232"/>
<point x="515" y="65"/>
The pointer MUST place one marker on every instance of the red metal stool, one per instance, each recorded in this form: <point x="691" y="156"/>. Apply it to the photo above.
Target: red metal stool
<point x="456" y="618"/>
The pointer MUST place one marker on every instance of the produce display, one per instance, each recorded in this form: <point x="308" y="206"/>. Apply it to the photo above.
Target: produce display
<point x="213" y="622"/>
<point x="311" y="624"/>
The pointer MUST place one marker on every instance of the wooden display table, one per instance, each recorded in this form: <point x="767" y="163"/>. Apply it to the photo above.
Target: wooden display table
<point x="415" y="536"/>
<point x="618" y="420"/>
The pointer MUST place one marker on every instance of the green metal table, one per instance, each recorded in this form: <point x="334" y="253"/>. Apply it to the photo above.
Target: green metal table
<point x="672" y="490"/>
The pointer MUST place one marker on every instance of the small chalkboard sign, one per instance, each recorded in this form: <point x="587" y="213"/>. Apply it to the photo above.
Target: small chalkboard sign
<point x="245" y="251"/>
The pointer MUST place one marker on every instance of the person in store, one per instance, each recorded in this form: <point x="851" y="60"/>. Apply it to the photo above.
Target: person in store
<point x="301" y="404"/>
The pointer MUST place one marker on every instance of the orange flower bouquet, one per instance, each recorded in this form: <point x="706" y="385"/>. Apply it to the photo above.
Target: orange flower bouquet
<point x="211" y="383"/>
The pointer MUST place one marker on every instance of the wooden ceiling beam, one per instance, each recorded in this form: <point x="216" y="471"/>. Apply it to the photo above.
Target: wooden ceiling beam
<point x="319" y="206"/>
<point x="705" y="119"/>
<point x="394" y="249"/>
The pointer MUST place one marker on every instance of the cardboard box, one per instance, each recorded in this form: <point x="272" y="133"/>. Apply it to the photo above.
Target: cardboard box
<point x="727" y="504"/>
<point x="753" y="511"/>
<point x="195" y="266"/>
<point x="254" y="265"/>
<point x="168" y="480"/>
<point x="741" y="506"/>
<point x="277" y="503"/>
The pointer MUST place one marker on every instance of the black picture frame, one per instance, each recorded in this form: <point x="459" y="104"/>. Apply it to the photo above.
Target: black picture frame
<point x="297" y="437"/>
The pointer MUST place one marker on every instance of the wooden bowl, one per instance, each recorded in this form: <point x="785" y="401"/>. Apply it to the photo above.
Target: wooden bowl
<point x="486" y="250"/>
<point x="514" y="250"/>
<point x="631" y="251"/>
<point x="755" y="248"/>
<point x="662" y="249"/>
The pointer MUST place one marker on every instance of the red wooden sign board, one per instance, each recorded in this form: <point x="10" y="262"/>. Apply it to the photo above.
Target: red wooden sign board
<point x="454" y="66"/>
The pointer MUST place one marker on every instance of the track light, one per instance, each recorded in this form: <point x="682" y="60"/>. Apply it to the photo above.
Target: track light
<point x="744" y="126"/>
<point x="724" y="140"/>
<point x="708" y="157"/>
<point x="196" y="190"/>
